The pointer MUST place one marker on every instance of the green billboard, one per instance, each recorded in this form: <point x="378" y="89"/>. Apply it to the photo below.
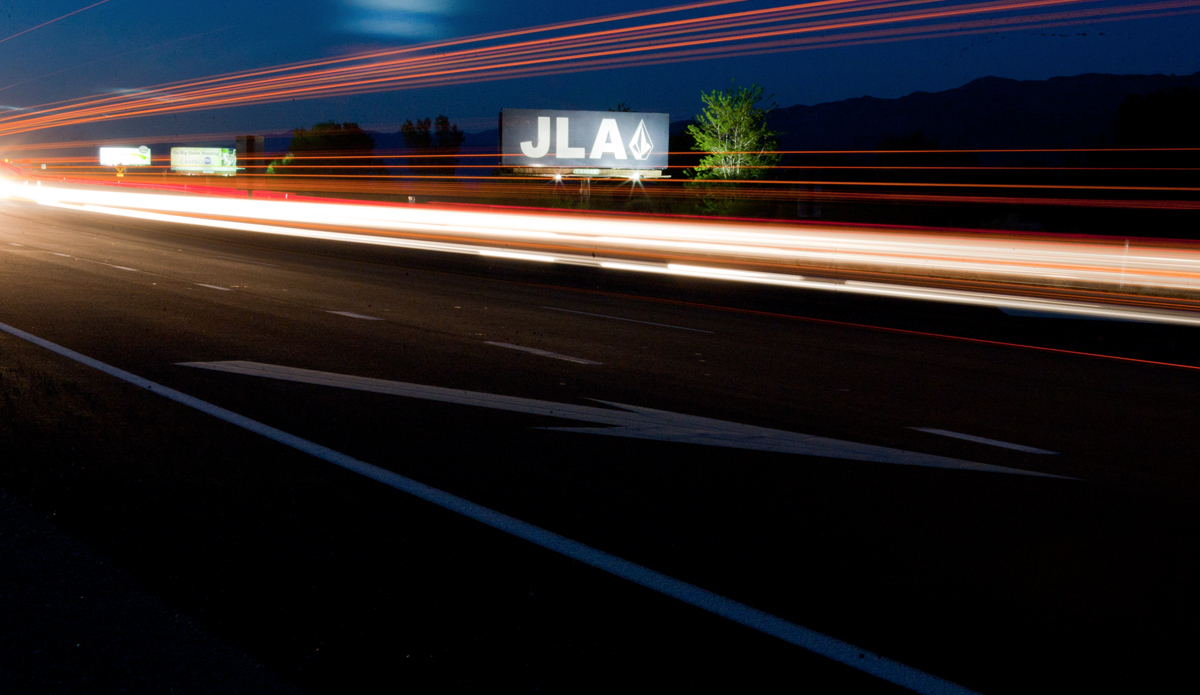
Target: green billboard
<point x="221" y="161"/>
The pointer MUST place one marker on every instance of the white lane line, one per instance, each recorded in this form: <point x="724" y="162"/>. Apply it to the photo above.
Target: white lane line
<point x="14" y="244"/>
<point x="243" y="260"/>
<point x="213" y="287"/>
<point x="630" y="421"/>
<point x="816" y="642"/>
<point x="354" y="315"/>
<point x="64" y="255"/>
<point x="984" y="440"/>
<point x="121" y="267"/>
<point x="621" y="318"/>
<point x="543" y="353"/>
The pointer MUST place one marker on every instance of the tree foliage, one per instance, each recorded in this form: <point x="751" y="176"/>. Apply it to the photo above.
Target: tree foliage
<point x="340" y="147"/>
<point x="1159" y="128"/>
<point x="435" y="144"/>
<point x="1166" y="118"/>
<point x="733" y="131"/>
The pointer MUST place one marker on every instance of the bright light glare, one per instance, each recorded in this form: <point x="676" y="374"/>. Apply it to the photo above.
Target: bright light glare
<point x="610" y="241"/>
<point x="517" y="256"/>
<point x="730" y="274"/>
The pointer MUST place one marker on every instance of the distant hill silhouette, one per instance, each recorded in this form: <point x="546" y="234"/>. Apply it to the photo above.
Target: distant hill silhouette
<point x="987" y="113"/>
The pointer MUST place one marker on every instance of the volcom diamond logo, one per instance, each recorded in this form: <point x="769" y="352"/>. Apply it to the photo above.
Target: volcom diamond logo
<point x="640" y="145"/>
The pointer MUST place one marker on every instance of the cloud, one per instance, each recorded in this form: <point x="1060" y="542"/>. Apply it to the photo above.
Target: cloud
<point x="433" y="7"/>
<point x="408" y="28"/>
<point x="11" y="108"/>
<point x="408" y="19"/>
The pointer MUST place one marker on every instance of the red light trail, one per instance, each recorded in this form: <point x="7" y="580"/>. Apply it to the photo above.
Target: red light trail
<point x="1147" y="281"/>
<point x="794" y="27"/>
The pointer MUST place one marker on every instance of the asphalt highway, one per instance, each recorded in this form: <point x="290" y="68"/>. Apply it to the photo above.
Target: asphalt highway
<point x="1078" y="577"/>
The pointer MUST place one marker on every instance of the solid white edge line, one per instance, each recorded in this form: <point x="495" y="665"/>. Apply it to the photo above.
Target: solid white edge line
<point x="541" y="353"/>
<point x="816" y="642"/>
<point x="985" y="440"/>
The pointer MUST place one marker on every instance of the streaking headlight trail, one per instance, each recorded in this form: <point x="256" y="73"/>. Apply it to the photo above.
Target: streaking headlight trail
<point x="1153" y="281"/>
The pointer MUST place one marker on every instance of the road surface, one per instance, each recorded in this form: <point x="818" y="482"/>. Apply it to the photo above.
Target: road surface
<point x="1005" y="502"/>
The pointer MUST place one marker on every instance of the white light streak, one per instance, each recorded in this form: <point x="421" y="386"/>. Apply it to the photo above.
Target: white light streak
<point x="600" y="240"/>
<point x="517" y="256"/>
<point x="729" y="274"/>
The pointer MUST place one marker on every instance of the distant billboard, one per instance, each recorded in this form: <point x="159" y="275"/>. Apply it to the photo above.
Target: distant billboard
<point x="584" y="140"/>
<point x="125" y="156"/>
<point x="204" y="160"/>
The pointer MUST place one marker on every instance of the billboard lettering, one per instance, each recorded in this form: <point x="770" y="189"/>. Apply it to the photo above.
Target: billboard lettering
<point x="584" y="139"/>
<point x="125" y="156"/>
<point x="204" y="160"/>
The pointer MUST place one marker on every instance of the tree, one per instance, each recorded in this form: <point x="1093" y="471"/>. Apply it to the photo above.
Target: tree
<point x="1166" y="118"/>
<point x="329" y="149"/>
<point x="733" y="131"/>
<point x="1158" y="130"/>
<point x="435" y="143"/>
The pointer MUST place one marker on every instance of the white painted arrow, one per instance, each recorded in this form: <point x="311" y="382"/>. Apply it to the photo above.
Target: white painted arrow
<point x="630" y="421"/>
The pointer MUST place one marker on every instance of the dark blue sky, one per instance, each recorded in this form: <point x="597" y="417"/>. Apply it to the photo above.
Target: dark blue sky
<point x="137" y="43"/>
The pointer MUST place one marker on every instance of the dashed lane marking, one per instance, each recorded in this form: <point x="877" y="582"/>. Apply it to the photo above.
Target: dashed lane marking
<point x="984" y="440"/>
<point x="243" y="260"/>
<point x="816" y="642"/>
<point x="213" y="287"/>
<point x="355" y="316"/>
<point x="621" y="318"/>
<point x="542" y="353"/>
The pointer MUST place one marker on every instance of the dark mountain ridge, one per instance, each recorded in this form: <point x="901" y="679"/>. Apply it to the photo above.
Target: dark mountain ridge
<point x="987" y="113"/>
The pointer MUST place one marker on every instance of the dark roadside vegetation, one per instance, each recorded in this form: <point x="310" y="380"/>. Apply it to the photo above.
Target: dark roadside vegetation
<point x="905" y="147"/>
<point x="1055" y="192"/>
<point x="1113" y="155"/>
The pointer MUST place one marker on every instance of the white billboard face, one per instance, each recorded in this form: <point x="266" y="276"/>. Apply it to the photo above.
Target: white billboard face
<point x="589" y="139"/>
<point x="125" y="156"/>
<point x="204" y="160"/>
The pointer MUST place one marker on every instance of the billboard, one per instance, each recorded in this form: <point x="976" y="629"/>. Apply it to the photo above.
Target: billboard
<point x="204" y="160"/>
<point x="125" y="156"/>
<point x="584" y="139"/>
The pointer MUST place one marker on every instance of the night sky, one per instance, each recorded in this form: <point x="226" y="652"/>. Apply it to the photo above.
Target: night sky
<point x="125" y="44"/>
